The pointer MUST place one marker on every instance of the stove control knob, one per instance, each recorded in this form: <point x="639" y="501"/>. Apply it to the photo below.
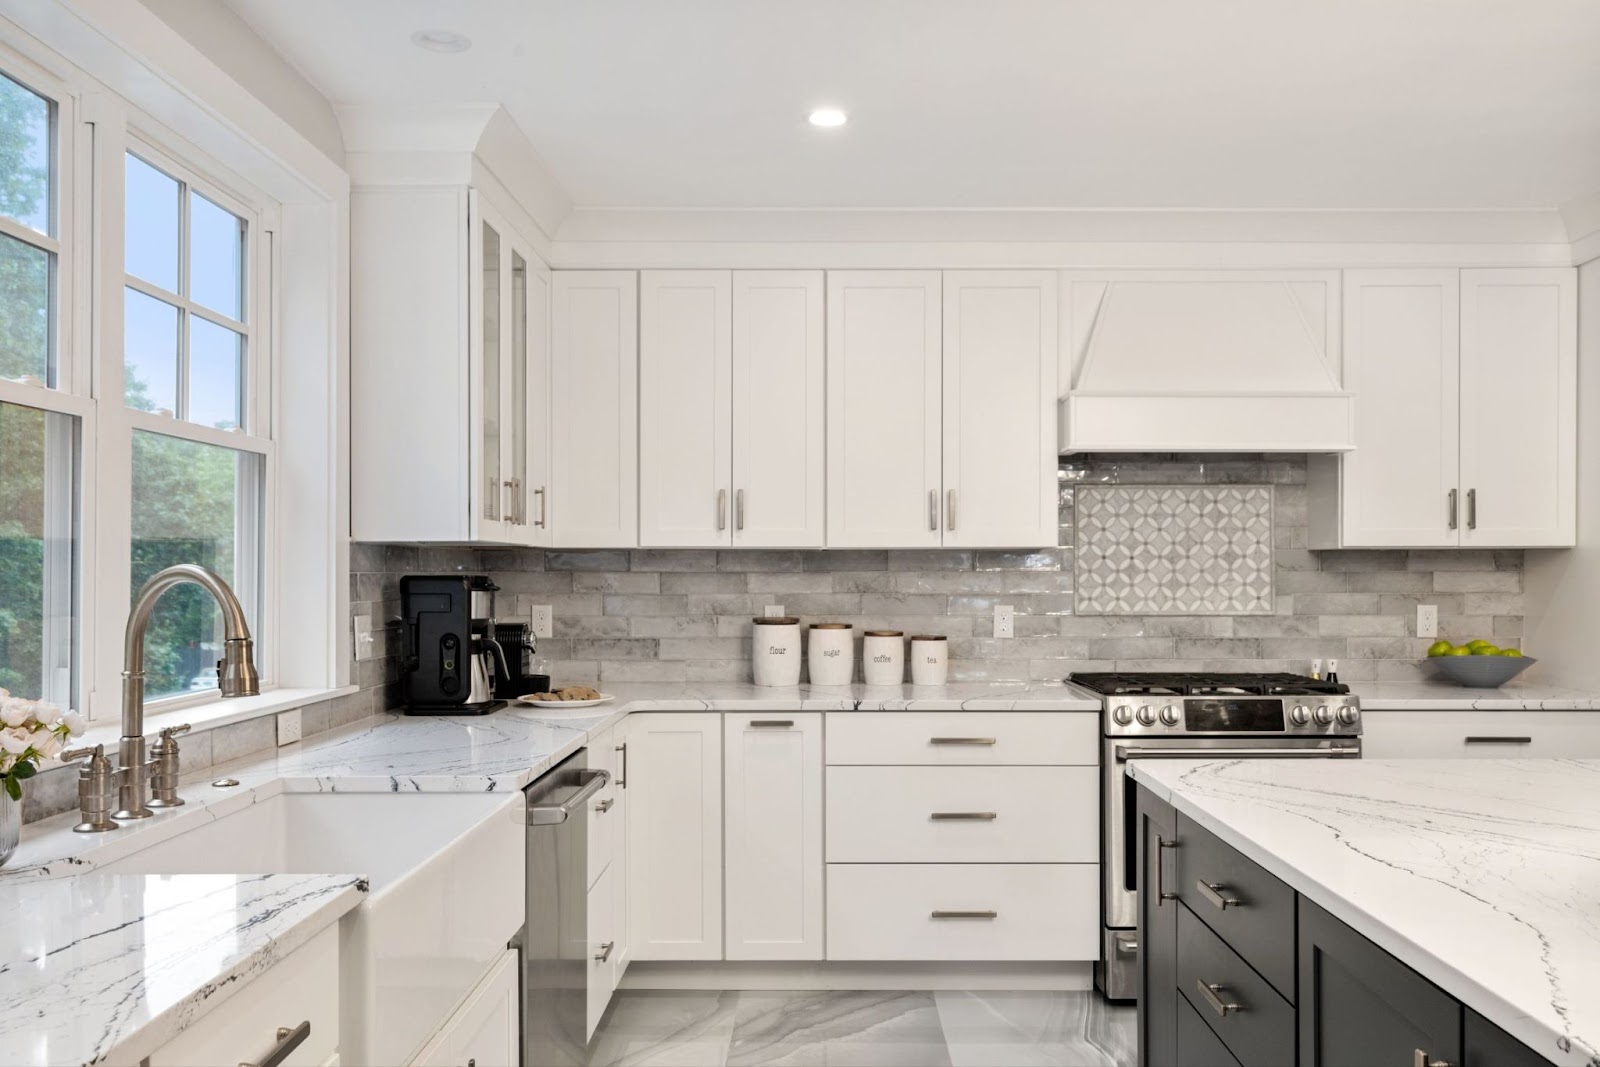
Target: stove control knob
<point x="1123" y="715"/>
<point x="1324" y="715"/>
<point x="1349" y="715"/>
<point x="1147" y="715"/>
<point x="1300" y="715"/>
<point x="1171" y="715"/>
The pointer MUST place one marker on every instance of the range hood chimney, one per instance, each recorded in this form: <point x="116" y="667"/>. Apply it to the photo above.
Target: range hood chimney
<point x="1203" y="361"/>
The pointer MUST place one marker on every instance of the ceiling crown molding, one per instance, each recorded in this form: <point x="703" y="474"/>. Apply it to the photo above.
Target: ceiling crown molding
<point x="1582" y="219"/>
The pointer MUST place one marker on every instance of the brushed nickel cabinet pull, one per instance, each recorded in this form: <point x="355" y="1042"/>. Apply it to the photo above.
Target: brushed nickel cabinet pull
<point x="288" y="1039"/>
<point x="622" y="772"/>
<point x="950" y="510"/>
<point x="778" y="724"/>
<point x="961" y="740"/>
<point x="1419" y="1058"/>
<point x="964" y="816"/>
<point x="539" y="492"/>
<point x="1453" y="510"/>
<point x="1499" y="740"/>
<point x="604" y="806"/>
<point x="1472" y="509"/>
<point x="605" y="951"/>
<point x="722" y="509"/>
<point x="933" y="510"/>
<point x="1162" y="895"/>
<point x="1209" y="991"/>
<point x="738" y="510"/>
<point x="1212" y="891"/>
<point x="985" y="914"/>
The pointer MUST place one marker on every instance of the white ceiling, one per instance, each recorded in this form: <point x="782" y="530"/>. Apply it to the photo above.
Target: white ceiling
<point x="1371" y="104"/>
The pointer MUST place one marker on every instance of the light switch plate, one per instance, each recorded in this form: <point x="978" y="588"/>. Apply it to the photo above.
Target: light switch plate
<point x="1427" y="620"/>
<point x="543" y="619"/>
<point x="366" y="641"/>
<point x="288" y="727"/>
<point x="1005" y="620"/>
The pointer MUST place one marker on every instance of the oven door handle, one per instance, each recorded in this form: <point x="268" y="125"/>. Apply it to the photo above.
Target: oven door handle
<point x="1127" y="752"/>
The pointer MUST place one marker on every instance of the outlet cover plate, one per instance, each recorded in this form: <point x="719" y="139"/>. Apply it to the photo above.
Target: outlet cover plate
<point x="366" y="640"/>
<point x="1005" y="620"/>
<point x="543" y="620"/>
<point x="289" y="727"/>
<point x="1427" y="620"/>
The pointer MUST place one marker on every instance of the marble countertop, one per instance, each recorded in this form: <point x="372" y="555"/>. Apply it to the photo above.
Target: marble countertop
<point x="1447" y="696"/>
<point x="106" y="966"/>
<point x="1483" y="875"/>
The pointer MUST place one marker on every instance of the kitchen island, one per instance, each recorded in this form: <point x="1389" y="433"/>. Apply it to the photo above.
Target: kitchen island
<point x="1428" y="911"/>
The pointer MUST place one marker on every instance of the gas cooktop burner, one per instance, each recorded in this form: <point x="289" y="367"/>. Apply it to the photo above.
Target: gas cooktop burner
<point x="1201" y="683"/>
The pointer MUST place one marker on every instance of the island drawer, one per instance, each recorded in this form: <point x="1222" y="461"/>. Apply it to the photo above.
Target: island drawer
<point x="1236" y="897"/>
<point x="1251" y="1019"/>
<point x="1198" y="1046"/>
<point x="963" y="815"/>
<point x="964" y="738"/>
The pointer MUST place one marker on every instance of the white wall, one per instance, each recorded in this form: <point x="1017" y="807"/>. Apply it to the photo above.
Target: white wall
<point x="228" y="41"/>
<point x="1563" y="586"/>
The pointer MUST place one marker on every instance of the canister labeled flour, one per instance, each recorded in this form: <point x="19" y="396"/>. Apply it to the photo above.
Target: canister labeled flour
<point x="775" y="650"/>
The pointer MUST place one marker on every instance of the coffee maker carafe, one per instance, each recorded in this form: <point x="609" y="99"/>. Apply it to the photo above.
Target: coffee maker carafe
<point x="451" y="663"/>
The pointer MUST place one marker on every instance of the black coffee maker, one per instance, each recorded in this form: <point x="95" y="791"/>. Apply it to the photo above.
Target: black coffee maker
<point x="450" y="662"/>
<point x="517" y="641"/>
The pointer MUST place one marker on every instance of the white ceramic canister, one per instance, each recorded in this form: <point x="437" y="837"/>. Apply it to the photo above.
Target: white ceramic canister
<point x="883" y="657"/>
<point x="775" y="651"/>
<point x="930" y="659"/>
<point x="831" y="654"/>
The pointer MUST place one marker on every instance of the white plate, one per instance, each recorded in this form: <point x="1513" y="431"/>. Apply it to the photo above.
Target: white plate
<point x="560" y="705"/>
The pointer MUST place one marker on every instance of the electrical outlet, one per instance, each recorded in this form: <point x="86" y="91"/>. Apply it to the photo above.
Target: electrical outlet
<point x="1005" y="620"/>
<point x="1427" y="620"/>
<point x="288" y="727"/>
<point x="366" y="639"/>
<point x="773" y="611"/>
<point x="543" y="620"/>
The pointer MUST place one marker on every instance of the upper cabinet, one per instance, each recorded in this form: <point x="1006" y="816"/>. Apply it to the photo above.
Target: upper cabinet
<point x="730" y="409"/>
<point x="941" y="392"/>
<point x="449" y="370"/>
<point x="594" y="409"/>
<point x="1465" y="422"/>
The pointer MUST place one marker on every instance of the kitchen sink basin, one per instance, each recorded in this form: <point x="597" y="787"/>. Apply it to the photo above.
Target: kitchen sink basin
<point x="445" y="874"/>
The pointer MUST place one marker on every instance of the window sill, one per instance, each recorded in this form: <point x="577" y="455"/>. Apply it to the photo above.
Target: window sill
<point x="215" y="713"/>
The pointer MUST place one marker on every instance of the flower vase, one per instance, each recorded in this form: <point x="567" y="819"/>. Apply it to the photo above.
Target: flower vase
<point x="10" y="825"/>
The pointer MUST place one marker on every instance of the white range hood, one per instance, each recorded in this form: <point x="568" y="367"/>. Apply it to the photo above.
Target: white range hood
<point x="1203" y="361"/>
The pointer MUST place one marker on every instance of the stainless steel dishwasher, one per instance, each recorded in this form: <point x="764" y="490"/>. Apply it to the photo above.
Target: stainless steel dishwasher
<point x="556" y="940"/>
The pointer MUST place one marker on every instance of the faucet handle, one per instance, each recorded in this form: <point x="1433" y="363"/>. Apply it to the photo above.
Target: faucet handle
<point x="97" y="789"/>
<point x="97" y="751"/>
<point x="164" y="768"/>
<point x="169" y="732"/>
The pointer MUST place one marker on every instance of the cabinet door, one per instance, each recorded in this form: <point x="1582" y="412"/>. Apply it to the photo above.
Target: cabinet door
<point x="773" y="836"/>
<point x="1519" y="344"/>
<point x="1000" y="358"/>
<point x="622" y="891"/>
<point x="594" y="410"/>
<point x="685" y="392"/>
<point x="778" y="409"/>
<point x="1401" y="363"/>
<point x="600" y="956"/>
<point x="884" y="410"/>
<point x="491" y="388"/>
<point x="485" y="1030"/>
<point x="1483" y="1044"/>
<point x="675" y="837"/>
<point x="1360" y="1006"/>
<point x="535" y="496"/>
<point x="1158" y="936"/>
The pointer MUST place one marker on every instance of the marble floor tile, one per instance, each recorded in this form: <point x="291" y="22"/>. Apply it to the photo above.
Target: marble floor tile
<point x="1036" y="1029"/>
<point x="837" y="1029"/>
<point x="666" y="1028"/>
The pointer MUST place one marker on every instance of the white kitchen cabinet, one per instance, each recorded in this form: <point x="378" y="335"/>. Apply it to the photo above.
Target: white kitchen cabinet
<point x="599" y="958"/>
<point x="885" y="417"/>
<point x="617" y="741"/>
<point x="449" y="370"/>
<point x="1465" y="412"/>
<point x="485" y="1030"/>
<point x="1480" y="734"/>
<point x="594" y="410"/>
<point x="1000" y="458"/>
<point x="674" y="776"/>
<point x="730" y="409"/>
<point x="773" y="836"/>
<point x="302" y="988"/>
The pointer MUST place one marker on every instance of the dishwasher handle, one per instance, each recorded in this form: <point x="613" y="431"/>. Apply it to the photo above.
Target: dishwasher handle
<point x="556" y="814"/>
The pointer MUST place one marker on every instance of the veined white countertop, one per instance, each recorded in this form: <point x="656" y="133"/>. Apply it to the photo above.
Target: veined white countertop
<point x="1482" y="875"/>
<point x="1447" y="696"/>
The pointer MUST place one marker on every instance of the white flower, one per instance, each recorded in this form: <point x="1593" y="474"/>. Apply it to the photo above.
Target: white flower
<point x="15" y="742"/>
<point x="73" y="722"/>
<point x="14" y="712"/>
<point x="49" y="746"/>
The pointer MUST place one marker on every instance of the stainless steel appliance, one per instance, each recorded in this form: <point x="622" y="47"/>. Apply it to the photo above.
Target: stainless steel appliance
<point x="1194" y="716"/>
<point x="451" y="663"/>
<point x="555" y="942"/>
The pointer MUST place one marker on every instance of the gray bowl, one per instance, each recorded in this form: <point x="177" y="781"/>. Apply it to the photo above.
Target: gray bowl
<point x="1481" y="672"/>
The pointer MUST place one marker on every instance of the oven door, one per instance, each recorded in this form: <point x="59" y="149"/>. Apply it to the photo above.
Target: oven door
<point x="1119" y="833"/>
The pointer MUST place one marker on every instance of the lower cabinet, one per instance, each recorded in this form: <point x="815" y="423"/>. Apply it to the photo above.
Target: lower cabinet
<point x="1163" y="1017"/>
<point x="301" y="991"/>
<point x="484" y="1031"/>
<point x="1482" y="734"/>
<point x="600" y="953"/>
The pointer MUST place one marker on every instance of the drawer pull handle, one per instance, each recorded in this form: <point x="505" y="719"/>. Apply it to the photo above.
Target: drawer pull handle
<point x="960" y="740"/>
<point x="1499" y="740"/>
<point x="287" y="1041"/>
<point x="1212" y="891"/>
<point x="604" y="806"/>
<point x="1209" y="991"/>
<point x="940" y="914"/>
<point x="1162" y="894"/>
<point x="1126" y="945"/>
<point x="1419" y="1058"/>
<point x="964" y="816"/>
<point x="605" y="951"/>
<point x="777" y="724"/>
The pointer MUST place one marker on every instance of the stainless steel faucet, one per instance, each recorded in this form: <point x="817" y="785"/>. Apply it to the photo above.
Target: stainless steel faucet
<point x="236" y="675"/>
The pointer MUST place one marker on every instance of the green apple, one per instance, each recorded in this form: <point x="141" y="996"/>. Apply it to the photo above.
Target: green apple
<point x="1484" y="650"/>
<point x="1440" y="648"/>
<point x="1459" y="650"/>
<point x="1515" y="653"/>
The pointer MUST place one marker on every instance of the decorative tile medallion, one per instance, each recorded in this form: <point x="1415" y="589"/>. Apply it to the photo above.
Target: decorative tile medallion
<point x="1174" y="550"/>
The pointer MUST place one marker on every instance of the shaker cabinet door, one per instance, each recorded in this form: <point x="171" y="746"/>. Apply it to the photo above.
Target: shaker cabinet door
<point x="884" y="409"/>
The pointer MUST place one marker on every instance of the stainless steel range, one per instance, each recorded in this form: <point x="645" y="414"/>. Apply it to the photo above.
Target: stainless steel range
<point x="1194" y="716"/>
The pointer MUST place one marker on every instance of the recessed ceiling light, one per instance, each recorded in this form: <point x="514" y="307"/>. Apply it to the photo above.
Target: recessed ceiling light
<point x="828" y="117"/>
<point x="441" y="40"/>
